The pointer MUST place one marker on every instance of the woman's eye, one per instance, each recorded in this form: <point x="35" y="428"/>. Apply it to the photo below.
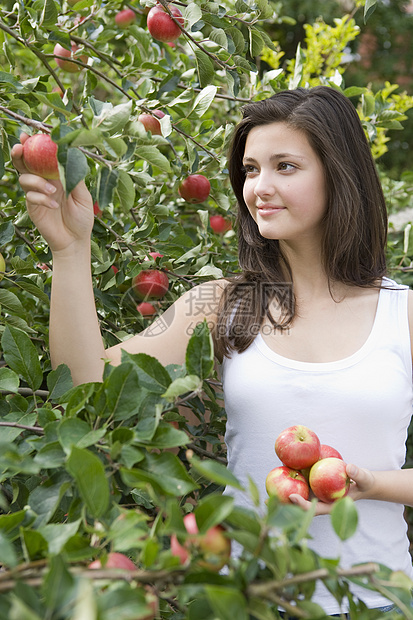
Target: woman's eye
<point x="248" y="169"/>
<point x="283" y="165"/>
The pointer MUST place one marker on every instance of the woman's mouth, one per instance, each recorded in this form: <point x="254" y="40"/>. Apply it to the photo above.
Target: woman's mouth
<point x="267" y="210"/>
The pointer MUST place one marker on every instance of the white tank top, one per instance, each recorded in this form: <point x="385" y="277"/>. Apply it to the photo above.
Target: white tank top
<point x="361" y="405"/>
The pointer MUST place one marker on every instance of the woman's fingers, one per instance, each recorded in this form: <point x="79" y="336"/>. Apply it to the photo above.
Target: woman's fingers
<point x="17" y="158"/>
<point x="321" y="507"/>
<point x="38" y="199"/>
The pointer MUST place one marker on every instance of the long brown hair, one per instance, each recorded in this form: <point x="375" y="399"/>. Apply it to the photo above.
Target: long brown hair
<point x="355" y="222"/>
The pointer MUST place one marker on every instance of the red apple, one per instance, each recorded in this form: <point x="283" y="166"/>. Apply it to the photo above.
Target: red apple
<point x="214" y="546"/>
<point x="151" y="123"/>
<point x="154" y="255"/>
<point x="160" y="24"/>
<point x="41" y="266"/>
<point x="2" y="266"/>
<point x="114" y="560"/>
<point x="115" y="269"/>
<point x="329" y="480"/>
<point x="125" y="18"/>
<point x="328" y="451"/>
<point x="298" y="447"/>
<point x="68" y="65"/>
<point x="195" y="188"/>
<point x="150" y="284"/>
<point x="40" y="156"/>
<point x="219" y="224"/>
<point x="146" y="309"/>
<point x="96" y="209"/>
<point x="282" y="481"/>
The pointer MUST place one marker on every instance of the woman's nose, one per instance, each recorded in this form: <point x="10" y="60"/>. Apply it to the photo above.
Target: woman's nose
<point x="265" y="185"/>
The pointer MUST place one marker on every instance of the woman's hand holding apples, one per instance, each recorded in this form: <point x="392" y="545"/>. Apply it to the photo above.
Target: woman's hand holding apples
<point x="64" y="222"/>
<point x="361" y="486"/>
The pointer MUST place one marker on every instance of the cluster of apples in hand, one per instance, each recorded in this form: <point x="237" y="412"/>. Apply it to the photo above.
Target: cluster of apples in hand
<point x="307" y="465"/>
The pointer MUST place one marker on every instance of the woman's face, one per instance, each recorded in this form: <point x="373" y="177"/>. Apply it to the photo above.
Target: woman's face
<point x="284" y="187"/>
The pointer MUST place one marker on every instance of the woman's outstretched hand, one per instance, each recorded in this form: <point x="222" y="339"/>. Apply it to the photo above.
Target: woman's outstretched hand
<point x="62" y="221"/>
<point x="361" y="484"/>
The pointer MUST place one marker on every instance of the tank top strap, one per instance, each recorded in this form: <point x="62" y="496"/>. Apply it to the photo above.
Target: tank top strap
<point x="392" y="319"/>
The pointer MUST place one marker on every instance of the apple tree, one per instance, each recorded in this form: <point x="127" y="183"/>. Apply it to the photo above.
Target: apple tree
<point x="140" y="99"/>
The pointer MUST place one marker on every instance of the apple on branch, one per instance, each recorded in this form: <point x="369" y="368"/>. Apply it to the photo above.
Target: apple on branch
<point x="145" y="308"/>
<point x="213" y="546"/>
<point x="161" y="25"/>
<point x="282" y="481"/>
<point x="219" y="224"/>
<point x="68" y="65"/>
<point x="150" y="284"/>
<point x="151" y="123"/>
<point x="328" y="479"/>
<point x="114" y="560"/>
<point x="298" y="447"/>
<point x="96" y="209"/>
<point x="125" y="18"/>
<point x="40" y="156"/>
<point x="195" y="188"/>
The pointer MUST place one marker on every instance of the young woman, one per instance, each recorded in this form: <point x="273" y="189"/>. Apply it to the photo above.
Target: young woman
<point x="311" y="332"/>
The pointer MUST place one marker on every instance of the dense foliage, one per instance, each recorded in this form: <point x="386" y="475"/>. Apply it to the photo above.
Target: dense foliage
<point x="114" y="466"/>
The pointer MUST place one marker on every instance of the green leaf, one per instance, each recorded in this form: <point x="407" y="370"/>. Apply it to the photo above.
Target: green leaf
<point x="152" y="375"/>
<point x="108" y="180"/>
<point x="45" y="499"/>
<point x="154" y="157"/>
<point x="369" y="9"/>
<point x="22" y="357"/>
<point x="237" y="38"/>
<point x="8" y="555"/>
<point x="113" y="119"/>
<point x="205" y="67"/>
<point x="88" y="471"/>
<point x="192" y="14"/>
<point x="59" y="381"/>
<point x="6" y="233"/>
<point x="344" y="518"/>
<point x="216" y="472"/>
<point x="227" y="603"/>
<point x="10" y="302"/>
<point x="34" y="290"/>
<point x="164" y="472"/>
<point x="125" y="191"/>
<point x="204" y="100"/>
<point x="217" y="35"/>
<point x="199" y="358"/>
<point x="57" y="534"/>
<point x="57" y="583"/>
<point x="121" y="390"/>
<point x="76" y="432"/>
<point x="212" y="510"/>
<point x="76" y="169"/>
<point x="49" y="14"/>
<point x="256" y="42"/>
<point x="7" y="78"/>
<point x="182" y="385"/>
<point x="9" y="381"/>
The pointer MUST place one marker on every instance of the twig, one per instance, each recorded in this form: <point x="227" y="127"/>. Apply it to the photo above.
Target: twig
<point x="34" y="429"/>
<point x="261" y="589"/>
